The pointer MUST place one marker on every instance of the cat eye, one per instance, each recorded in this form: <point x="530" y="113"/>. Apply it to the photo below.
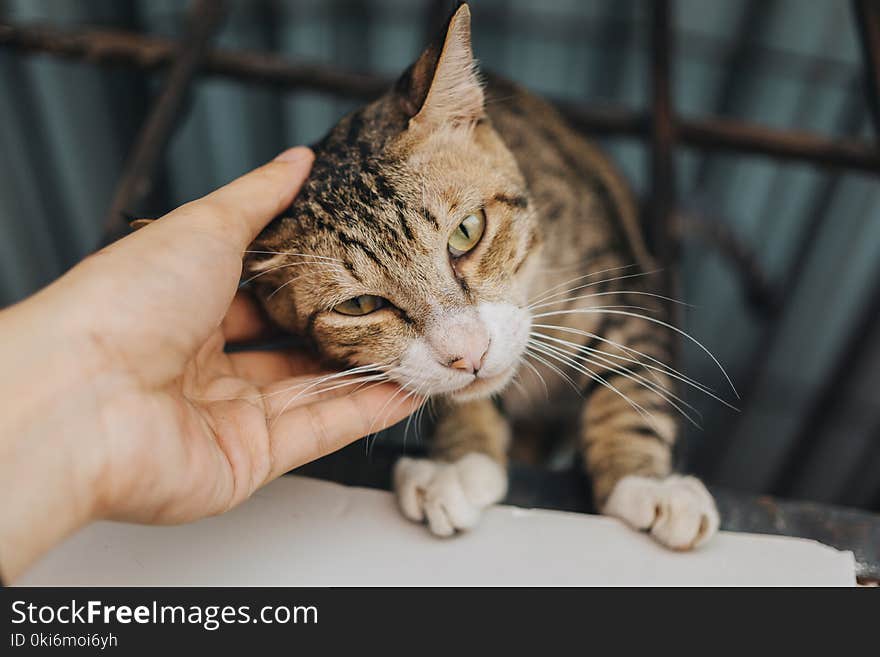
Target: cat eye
<point x="467" y="234"/>
<point x="362" y="305"/>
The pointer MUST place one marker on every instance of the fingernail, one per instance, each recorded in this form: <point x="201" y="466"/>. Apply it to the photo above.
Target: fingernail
<point x="295" y="154"/>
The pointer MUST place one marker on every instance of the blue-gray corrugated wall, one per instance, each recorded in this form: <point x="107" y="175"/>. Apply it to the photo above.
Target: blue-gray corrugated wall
<point x="65" y="129"/>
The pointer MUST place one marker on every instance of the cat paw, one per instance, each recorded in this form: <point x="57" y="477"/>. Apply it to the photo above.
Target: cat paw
<point x="678" y="511"/>
<point x="449" y="496"/>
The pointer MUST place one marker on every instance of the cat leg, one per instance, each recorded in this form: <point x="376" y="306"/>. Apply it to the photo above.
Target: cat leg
<point x="466" y="472"/>
<point x="629" y="457"/>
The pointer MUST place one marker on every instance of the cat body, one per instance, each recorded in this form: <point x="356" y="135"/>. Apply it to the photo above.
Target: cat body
<point x="461" y="239"/>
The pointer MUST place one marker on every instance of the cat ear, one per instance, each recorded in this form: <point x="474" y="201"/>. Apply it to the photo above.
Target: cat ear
<point x="443" y="86"/>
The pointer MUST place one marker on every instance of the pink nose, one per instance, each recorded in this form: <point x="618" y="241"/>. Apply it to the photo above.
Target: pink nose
<point x="474" y="354"/>
<point x="459" y="340"/>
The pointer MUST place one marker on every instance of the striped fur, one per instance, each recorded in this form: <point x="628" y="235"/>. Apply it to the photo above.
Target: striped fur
<point x="389" y="184"/>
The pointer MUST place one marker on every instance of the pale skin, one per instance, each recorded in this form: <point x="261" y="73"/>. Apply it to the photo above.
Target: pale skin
<point x="119" y="401"/>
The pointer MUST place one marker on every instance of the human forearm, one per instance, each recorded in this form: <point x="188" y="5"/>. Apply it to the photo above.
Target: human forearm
<point x="46" y="482"/>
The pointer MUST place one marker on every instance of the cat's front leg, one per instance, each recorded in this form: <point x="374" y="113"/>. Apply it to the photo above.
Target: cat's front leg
<point x="677" y="510"/>
<point x="466" y="472"/>
<point x="628" y="456"/>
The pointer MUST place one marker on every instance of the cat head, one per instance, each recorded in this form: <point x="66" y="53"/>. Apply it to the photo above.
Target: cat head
<point x="409" y="246"/>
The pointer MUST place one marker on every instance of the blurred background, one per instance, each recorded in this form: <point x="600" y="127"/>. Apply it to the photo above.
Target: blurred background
<point x="809" y="425"/>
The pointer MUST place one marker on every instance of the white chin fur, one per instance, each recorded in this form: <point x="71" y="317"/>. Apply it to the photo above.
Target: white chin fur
<point x="508" y="328"/>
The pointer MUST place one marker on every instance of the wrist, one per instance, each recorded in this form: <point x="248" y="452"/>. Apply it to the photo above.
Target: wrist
<point x="46" y="480"/>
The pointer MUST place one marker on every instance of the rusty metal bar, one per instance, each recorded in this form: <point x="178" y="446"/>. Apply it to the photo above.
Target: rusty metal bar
<point x="110" y="47"/>
<point x="138" y="174"/>
<point x="741" y="137"/>
<point x="153" y="53"/>
<point x="660" y="214"/>
<point x="867" y="18"/>
<point x="735" y="78"/>
<point x="662" y="131"/>
<point x="605" y="121"/>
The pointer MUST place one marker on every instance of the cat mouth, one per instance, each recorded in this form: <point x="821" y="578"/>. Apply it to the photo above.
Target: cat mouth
<point x="482" y="386"/>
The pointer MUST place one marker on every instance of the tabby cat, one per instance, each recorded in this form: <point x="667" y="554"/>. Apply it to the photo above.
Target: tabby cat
<point x="458" y="237"/>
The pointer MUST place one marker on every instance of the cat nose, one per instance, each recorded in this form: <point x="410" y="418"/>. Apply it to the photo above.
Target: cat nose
<point x="474" y="354"/>
<point x="459" y="340"/>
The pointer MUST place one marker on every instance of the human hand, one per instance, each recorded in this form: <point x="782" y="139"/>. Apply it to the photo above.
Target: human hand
<point x="123" y="402"/>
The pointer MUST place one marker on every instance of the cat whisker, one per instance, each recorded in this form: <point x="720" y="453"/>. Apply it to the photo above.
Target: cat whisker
<point x="648" y="319"/>
<point x="379" y="378"/>
<point x="409" y="393"/>
<point x="412" y="393"/>
<point x="531" y="351"/>
<point x="666" y="370"/>
<point x="373" y="436"/>
<point x="547" y="297"/>
<point x="553" y="288"/>
<point x="572" y="265"/>
<point x="663" y="367"/>
<point x="432" y="412"/>
<point x="364" y="385"/>
<point x="367" y="372"/>
<point x="409" y="379"/>
<point x="406" y="426"/>
<point x="387" y="402"/>
<point x="660" y="390"/>
<point x="599" y="379"/>
<point x="417" y="414"/>
<point x="310" y="383"/>
<point x="610" y="293"/>
<point x="293" y="264"/>
<point x="295" y="278"/>
<point x="578" y="348"/>
<point x="379" y="412"/>
<point x="299" y="255"/>
<point x="614" y="307"/>
<point x="429" y="407"/>
<point x="304" y="395"/>
<point x="525" y="362"/>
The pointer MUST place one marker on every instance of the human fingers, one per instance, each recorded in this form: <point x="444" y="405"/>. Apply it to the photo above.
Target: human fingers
<point x="241" y="209"/>
<point x="308" y="432"/>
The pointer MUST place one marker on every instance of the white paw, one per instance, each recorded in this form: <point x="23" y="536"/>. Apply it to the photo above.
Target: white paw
<point x="450" y="496"/>
<point x="678" y="511"/>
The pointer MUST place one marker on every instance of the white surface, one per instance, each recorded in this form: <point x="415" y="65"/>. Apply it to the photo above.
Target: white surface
<point x="304" y="532"/>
